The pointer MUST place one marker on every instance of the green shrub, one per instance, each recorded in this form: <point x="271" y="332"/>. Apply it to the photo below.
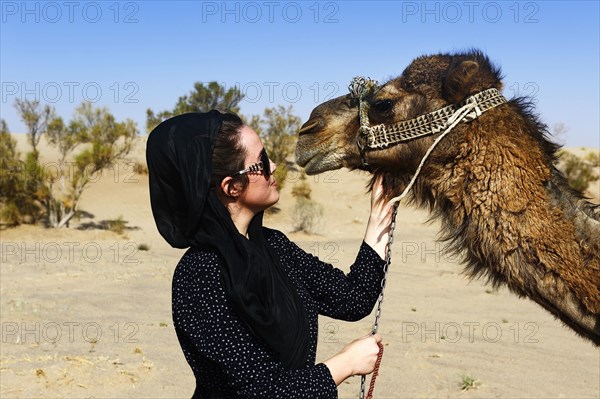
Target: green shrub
<point x="468" y="382"/>
<point x="302" y="188"/>
<point x="306" y="215"/>
<point x="593" y="158"/>
<point x="140" y="168"/>
<point x="18" y="188"/>
<point x="579" y="172"/>
<point x="10" y="215"/>
<point x="116" y="225"/>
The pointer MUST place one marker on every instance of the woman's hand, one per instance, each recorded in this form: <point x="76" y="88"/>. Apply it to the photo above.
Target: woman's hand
<point x="378" y="227"/>
<point x="358" y="357"/>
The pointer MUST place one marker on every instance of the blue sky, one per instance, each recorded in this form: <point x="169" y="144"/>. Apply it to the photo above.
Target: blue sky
<point x="134" y="55"/>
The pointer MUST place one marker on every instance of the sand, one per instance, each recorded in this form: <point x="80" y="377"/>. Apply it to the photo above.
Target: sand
<point x="87" y="313"/>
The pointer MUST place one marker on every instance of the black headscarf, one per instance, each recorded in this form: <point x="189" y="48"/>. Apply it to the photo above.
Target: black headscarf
<point x="189" y="214"/>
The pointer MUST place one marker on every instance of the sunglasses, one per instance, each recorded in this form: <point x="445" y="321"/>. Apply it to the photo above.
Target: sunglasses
<point x="264" y="166"/>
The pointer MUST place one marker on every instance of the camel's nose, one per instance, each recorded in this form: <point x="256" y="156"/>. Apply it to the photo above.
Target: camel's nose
<point x="310" y="125"/>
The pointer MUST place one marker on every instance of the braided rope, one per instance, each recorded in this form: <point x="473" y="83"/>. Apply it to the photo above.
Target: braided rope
<point x="375" y="328"/>
<point x="375" y="371"/>
<point x="360" y="88"/>
<point x="382" y="136"/>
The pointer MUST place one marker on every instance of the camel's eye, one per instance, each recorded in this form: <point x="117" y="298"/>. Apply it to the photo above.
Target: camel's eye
<point x="383" y="105"/>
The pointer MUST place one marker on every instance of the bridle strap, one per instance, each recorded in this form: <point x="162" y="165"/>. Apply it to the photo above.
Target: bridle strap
<point x="382" y="136"/>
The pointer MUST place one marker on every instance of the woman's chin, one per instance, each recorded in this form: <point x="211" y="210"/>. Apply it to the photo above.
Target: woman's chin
<point x="275" y="199"/>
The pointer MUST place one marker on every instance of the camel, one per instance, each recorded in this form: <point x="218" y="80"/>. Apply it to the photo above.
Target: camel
<point x="492" y="182"/>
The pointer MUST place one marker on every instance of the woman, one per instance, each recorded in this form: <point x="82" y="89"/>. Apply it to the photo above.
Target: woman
<point x="245" y="298"/>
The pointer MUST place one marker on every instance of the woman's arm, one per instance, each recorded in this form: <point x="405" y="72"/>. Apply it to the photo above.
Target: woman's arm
<point x="343" y="296"/>
<point x="338" y="295"/>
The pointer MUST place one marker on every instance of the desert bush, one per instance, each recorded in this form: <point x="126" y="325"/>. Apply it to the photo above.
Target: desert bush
<point x="10" y="215"/>
<point x="202" y="98"/>
<point x="579" y="172"/>
<point x="143" y="247"/>
<point x="116" y="225"/>
<point x="302" y="188"/>
<point x="58" y="194"/>
<point x="593" y="158"/>
<point x="140" y="168"/>
<point x="306" y="215"/>
<point x="468" y="382"/>
<point x="17" y="191"/>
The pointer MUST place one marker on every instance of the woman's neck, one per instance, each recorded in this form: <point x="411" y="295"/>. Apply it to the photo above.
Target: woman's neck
<point x="241" y="218"/>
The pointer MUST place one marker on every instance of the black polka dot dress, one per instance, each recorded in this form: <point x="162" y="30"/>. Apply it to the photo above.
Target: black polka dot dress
<point x="228" y="361"/>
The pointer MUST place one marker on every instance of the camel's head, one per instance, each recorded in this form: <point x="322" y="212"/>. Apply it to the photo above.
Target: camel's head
<point x="328" y="140"/>
<point x="325" y="141"/>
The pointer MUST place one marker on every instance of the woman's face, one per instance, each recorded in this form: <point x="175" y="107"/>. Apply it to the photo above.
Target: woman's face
<point x="261" y="192"/>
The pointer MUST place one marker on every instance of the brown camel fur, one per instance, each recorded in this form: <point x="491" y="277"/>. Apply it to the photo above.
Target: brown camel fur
<point x="492" y="182"/>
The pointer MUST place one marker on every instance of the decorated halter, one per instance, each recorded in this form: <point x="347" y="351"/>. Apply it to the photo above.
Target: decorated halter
<point x="378" y="137"/>
<point x="382" y="136"/>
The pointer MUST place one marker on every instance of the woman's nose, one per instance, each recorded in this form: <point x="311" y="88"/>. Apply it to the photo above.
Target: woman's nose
<point x="273" y="166"/>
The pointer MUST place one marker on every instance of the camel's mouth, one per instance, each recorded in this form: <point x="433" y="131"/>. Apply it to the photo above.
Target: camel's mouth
<point x="317" y="150"/>
<point x="315" y="158"/>
<point x="306" y="150"/>
<point x="318" y="164"/>
<point x="305" y="155"/>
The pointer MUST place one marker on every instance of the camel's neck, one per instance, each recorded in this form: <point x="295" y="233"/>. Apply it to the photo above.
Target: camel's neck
<point x="503" y="209"/>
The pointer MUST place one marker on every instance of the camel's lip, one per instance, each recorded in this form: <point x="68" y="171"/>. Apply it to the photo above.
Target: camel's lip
<point x="315" y="162"/>
<point x="314" y="168"/>
<point x="309" y="126"/>
<point x="302" y="161"/>
<point x="307" y="152"/>
<point x="311" y="168"/>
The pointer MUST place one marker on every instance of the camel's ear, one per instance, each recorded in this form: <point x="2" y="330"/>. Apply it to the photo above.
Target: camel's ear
<point x="459" y="81"/>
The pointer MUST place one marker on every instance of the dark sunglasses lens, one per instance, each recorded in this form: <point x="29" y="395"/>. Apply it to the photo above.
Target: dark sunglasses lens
<point x="266" y="163"/>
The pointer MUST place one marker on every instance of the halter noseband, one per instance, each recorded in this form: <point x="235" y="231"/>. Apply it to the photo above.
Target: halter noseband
<point x="382" y="136"/>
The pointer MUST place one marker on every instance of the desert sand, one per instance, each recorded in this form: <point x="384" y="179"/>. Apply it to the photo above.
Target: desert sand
<point x="87" y="313"/>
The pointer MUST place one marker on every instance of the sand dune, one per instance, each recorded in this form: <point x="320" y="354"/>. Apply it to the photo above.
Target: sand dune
<point x="86" y="313"/>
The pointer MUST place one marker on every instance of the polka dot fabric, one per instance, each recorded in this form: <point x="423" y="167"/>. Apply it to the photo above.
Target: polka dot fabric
<point x="228" y="361"/>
